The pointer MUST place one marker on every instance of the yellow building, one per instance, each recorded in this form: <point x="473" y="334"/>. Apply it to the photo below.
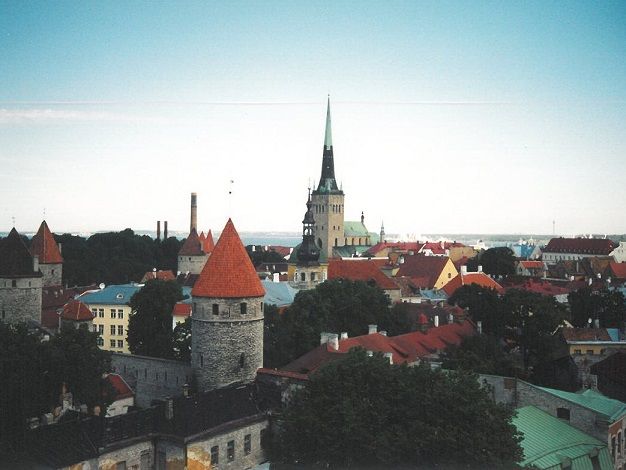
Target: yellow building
<point x="111" y="312"/>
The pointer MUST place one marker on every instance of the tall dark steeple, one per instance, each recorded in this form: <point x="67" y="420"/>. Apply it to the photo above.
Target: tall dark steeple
<point x="308" y="253"/>
<point x="328" y="184"/>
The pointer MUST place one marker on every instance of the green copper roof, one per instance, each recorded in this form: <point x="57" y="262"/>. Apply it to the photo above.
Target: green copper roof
<point x="328" y="136"/>
<point x="548" y="442"/>
<point x="354" y="229"/>
<point x="609" y="408"/>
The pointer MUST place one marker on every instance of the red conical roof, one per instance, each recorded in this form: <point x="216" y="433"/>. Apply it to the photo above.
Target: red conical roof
<point x="44" y="246"/>
<point x="77" y="311"/>
<point x="228" y="273"/>
<point x="192" y="246"/>
<point x="208" y="244"/>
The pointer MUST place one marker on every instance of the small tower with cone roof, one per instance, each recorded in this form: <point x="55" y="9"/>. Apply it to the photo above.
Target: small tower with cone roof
<point x="45" y="247"/>
<point x="328" y="200"/>
<point x="191" y="256"/>
<point x="227" y="318"/>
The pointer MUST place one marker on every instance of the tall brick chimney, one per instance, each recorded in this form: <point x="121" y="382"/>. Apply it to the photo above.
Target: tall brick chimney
<point x="158" y="237"/>
<point x="165" y="230"/>
<point x="194" y="212"/>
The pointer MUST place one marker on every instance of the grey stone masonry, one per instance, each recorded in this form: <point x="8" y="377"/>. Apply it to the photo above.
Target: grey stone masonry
<point x="227" y="340"/>
<point x="52" y="274"/>
<point x="151" y="378"/>
<point x="192" y="264"/>
<point x="20" y="299"/>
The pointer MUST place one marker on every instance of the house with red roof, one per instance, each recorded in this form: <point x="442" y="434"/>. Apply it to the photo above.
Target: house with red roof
<point x="122" y="397"/>
<point x="530" y="268"/>
<point x="465" y="278"/>
<point x="572" y="249"/>
<point x="617" y="272"/>
<point x="543" y="287"/>
<point x="46" y="249"/>
<point x="180" y="313"/>
<point x="427" y="272"/>
<point x="77" y="314"/>
<point x="361" y="269"/>
<point x="163" y="275"/>
<point x="383" y="249"/>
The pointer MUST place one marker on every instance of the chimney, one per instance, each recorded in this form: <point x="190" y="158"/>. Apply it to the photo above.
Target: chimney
<point x="371" y="329"/>
<point x="436" y="320"/>
<point x="344" y="335"/>
<point x="596" y="323"/>
<point x="35" y="263"/>
<point x="194" y="212"/>
<point x="442" y="244"/>
<point x="276" y="277"/>
<point x="370" y="353"/>
<point x="480" y="268"/>
<point x="389" y="357"/>
<point x="479" y="327"/>
<point x="324" y="338"/>
<point x="158" y="237"/>
<point x="463" y="270"/>
<point x="382" y="333"/>
<point x="165" y="230"/>
<point x="450" y="318"/>
<point x="60" y="248"/>
<point x="333" y="341"/>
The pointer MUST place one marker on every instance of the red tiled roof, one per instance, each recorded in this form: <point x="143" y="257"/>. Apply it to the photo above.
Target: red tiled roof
<point x="283" y="251"/>
<point x="55" y="297"/>
<point x="461" y="262"/>
<point x="395" y="246"/>
<point x="532" y="264"/>
<point x="122" y="389"/>
<point x="192" y="245"/>
<point x="77" y="311"/>
<point x="592" y="246"/>
<point x="540" y="287"/>
<point x="282" y="373"/>
<point x="166" y="275"/>
<point x="440" y="248"/>
<point x="181" y="310"/>
<point x="359" y="270"/>
<point x="229" y="272"/>
<point x="423" y="270"/>
<point x="480" y="279"/>
<point x="207" y="244"/>
<point x="44" y="246"/>
<point x="618" y="270"/>
<point x="585" y="334"/>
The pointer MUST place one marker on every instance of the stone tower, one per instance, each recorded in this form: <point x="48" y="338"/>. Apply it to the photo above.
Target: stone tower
<point x="191" y="256"/>
<point x="328" y="200"/>
<point x="45" y="247"/>
<point x="227" y="318"/>
<point x="20" y="281"/>
<point x="308" y="271"/>
<point x="382" y="232"/>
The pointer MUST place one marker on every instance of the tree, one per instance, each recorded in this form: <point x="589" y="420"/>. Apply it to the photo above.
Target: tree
<point x="150" y="323"/>
<point x="483" y="305"/>
<point x="607" y="306"/>
<point x="182" y="341"/>
<point x="498" y="261"/>
<point x="361" y="411"/>
<point x="261" y="255"/>
<point x="335" y="306"/>
<point x="482" y="354"/>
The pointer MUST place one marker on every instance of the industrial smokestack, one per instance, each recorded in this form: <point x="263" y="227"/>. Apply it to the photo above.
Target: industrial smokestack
<point x="158" y="229"/>
<point x="165" y="230"/>
<point x="194" y="212"/>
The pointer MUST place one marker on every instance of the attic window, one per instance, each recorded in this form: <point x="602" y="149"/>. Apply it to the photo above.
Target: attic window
<point x="563" y="413"/>
<point x="119" y="296"/>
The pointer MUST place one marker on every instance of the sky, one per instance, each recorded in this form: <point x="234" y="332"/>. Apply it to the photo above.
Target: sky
<point x="448" y="117"/>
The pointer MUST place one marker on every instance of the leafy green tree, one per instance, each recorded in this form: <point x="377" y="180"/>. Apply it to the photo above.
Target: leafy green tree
<point x="498" y="261"/>
<point x="182" y="341"/>
<point x="483" y="305"/>
<point x="334" y="306"/>
<point x="150" y="323"/>
<point x="362" y="412"/>
<point x="260" y="255"/>
<point x="482" y="354"/>
<point x="607" y="306"/>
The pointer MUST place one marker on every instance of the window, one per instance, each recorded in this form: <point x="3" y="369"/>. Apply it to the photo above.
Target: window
<point x="247" y="444"/>
<point x="303" y="277"/>
<point x="112" y="330"/>
<point x="577" y="351"/>
<point x="590" y="352"/>
<point x="112" y="343"/>
<point x="101" y="312"/>
<point x="100" y="341"/>
<point x="244" y="308"/>
<point x="95" y="328"/>
<point x="120" y="313"/>
<point x="120" y="343"/>
<point x="216" y="309"/>
<point x="120" y="330"/>
<point x="613" y="448"/>
<point x="230" y="451"/>
<point x="120" y="465"/>
<point x="94" y="311"/>
<point x="619" y="442"/>
<point x="262" y="306"/>
<point x="562" y="413"/>
<point x="215" y="455"/>
<point x="312" y="276"/>
<point x="101" y="329"/>
<point x="263" y="438"/>
<point x="113" y="313"/>
<point x="13" y="283"/>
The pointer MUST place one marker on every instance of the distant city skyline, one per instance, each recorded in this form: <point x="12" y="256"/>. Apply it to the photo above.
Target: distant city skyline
<point x="448" y="117"/>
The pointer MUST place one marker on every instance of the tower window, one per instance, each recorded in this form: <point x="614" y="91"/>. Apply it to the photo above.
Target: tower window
<point x="201" y="360"/>
<point x="216" y="309"/>
<point x="215" y="452"/>
<point x="303" y="277"/>
<point x="244" y="308"/>
<point x="13" y="283"/>
<point x="230" y="451"/>
<point x="336" y="242"/>
<point x="247" y="444"/>
<point x="242" y="360"/>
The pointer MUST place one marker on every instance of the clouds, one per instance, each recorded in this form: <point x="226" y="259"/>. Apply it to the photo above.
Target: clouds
<point x="10" y="116"/>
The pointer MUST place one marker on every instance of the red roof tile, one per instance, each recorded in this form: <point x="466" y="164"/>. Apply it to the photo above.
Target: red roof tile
<point x="75" y="310"/>
<point x="122" y="389"/>
<point x="166" y="275"/>
<point x="359" y="270"/>
<point x="192" y="245"/>
<point x="44" y="246"/>
<point x="480" y="279"/>
<point x="540" y="286"/>
<point x="395" y="246"/>
<point x="229" y="272"/>
<point x="181" y="310"/>
<point x="208" y="244"/>
<point x="618" y="270"/>
<point x="592" y="246"/>
<point x="423" y="270"/>
<point x="585" y="334"/>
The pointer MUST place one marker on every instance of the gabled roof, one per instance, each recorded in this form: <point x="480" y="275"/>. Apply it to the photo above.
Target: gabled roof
<point x="228" y="273"/>
<point x="423" y="270"/>
<point x="181" y="309"/>
<point x="122" y="389"/>
<point x="592" y="246"/>
<point x="15" y="259"/>
<point x="607" y="407"/>
<point x="548" y="440"/>
<point x="44" y="246"/>
<point x="585" y="334"/>
<point x="359" y="270"/>
<point x="480" y="279"/>
<point x="76" y="310"/>
<point x="192" y="245"/>
<point x="166" y="275"/>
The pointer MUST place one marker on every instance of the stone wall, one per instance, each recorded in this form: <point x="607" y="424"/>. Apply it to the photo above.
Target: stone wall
<point x="151" y="378"/>
<point x="227" y="347"/>
<point x="138" y="456"/>
<point x="22" y="302"/>
<point x="192" y="264"/>
<point x="328" y="223"/>
<point x="52" y="274"/>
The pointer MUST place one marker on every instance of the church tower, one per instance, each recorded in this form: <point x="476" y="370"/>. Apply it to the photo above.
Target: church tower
<point x="307" y="272"/>
<point x="328" y="200"/>
<point x="227" y="318"/>
<point x="45" y="247"/>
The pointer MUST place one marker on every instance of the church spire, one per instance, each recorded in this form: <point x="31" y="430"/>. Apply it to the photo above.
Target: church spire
<point x="327" y="182"/>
